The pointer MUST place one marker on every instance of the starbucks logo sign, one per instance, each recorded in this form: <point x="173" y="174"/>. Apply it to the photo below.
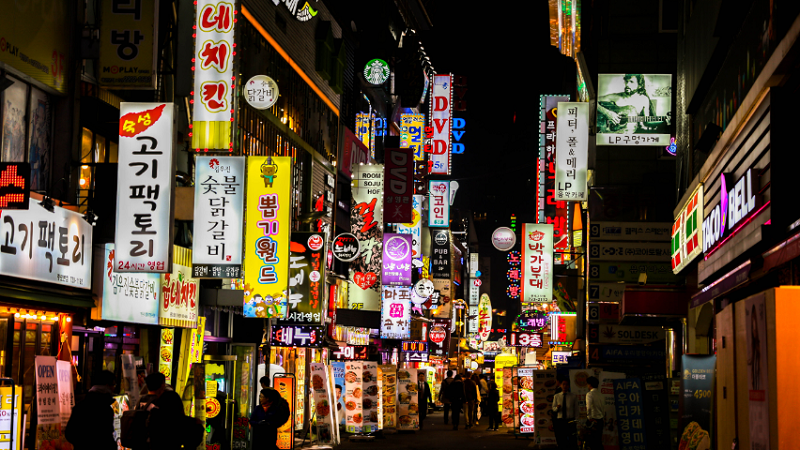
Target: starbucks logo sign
<point x="376" y="71"/>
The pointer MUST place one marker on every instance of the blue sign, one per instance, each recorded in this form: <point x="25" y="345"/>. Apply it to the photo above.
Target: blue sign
<point x="458" y="131"/>
<point x="630" y="414"/>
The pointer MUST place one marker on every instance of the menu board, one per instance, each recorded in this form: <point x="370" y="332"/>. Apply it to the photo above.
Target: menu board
<point x="507" y="415"/>
<point x="165" y="353"/>
<point x="388" y="389"/>
<point x="407" y="399"/>
<point x="544" y="389"/>
<point x="354" y="393"/>
<point x="369" y="402"/>
<point x="525" y="402"/>
<point x="322" y="402"/>
<point x="338" y="379"/>
<point x="628" y="402"/>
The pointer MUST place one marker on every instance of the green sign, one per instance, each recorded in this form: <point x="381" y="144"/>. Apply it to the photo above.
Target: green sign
<point x="629" y="272"/>
<point x="376" y="71"/>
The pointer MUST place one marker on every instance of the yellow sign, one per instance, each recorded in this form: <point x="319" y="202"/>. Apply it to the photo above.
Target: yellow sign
<point x="34" y="39"/>
<point x="212" y="408"/>
<point x="166" y="352"/>
<point x="211" y="388"/>
<point x="501" y="361"/>
<point x="412" y="130"/>
<point x="127" y="44"/>
<point x="6" y="433"/>
<point x="266" y="257"/>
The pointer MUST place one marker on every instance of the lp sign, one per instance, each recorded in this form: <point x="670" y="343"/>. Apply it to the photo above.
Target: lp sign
<point x="737" y="201"/>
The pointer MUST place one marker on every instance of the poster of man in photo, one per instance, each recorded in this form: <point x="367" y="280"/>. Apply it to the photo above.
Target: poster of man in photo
<point x="634" y="109"/>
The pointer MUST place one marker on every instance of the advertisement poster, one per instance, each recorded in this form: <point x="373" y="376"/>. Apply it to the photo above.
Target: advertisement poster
<point x="180" y="293"/>
<point x="366" y="223"/>
<point x="354" y="394"/>
<point x="395" y="312"/>
<point x="143" y="238"/>
<point x="286" y="387"/>
<point x="579" y="386"/>
<point x="526" y="409"/>
<point x="407" y="399"/>
<point x="537" y="263"/>
<point x="399" y="179"/>
<point x="370" y="403"/>
<point x="388" y="390"/>
<point x="306" y="278"/>
<point x="441" y="124"/>
<point x="630" y="412"/>
<point x="129" y="297"/>
<point x="572" y="152"/>
<point x="48" y="408"/>
<point x="438" y="204"/>
<point x="218" y="213"/>
<point x="508" y="412"/>
<point x="396" y="259"/>
<point x="611" y="423"/>
<point x="414" y="228"/>
<point x="634" y="109"/>
<point x="544" y="389"/>
<point x="757" y="371"/>
<point x="266" y="257"/>
<point x="322" y="402"/>
<point x="5" y="416"/>
<point x="412" y="126"/>
<point x="165" y="353"/>
<point x="696" y="399"/>
<point x="338" y="380"/>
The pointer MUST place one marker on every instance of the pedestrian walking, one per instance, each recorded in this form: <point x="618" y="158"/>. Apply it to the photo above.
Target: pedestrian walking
<point x="594" y="415"/>
<point x="271" y="413"/>
<point x="565" y="409"/>
<point x="479" y="400"/>
<point x="493" y="396"/>
<point x="424" y="397"/>
<point x="91" y="425"/>
<point x="457" y="396"/>
<point x="443" y="394"/>
<point x="471" y="399"/>
<point x="483" y="386"/>
<point x="168" y="427"/>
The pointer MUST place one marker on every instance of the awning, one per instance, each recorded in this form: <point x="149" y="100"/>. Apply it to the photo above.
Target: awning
<point x="42" y="297"/>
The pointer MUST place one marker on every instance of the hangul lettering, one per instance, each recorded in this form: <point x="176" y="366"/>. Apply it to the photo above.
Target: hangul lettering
<point x="266" y="249"/>
<point x="268" y="204"/>
<point x="268" y="275"/>
<point x="143" y="222"/>
<point x="230" y="185"/>
<point x="139" y="250"/>
<point x="63" y="247"/>
<point x="210" y="184"/>
<point x="127" y="42"/>
<point x="216" y="250"/>
<point x="145" y="150"/>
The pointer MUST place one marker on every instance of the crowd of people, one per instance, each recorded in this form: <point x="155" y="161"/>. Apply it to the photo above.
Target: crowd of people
<point x="466" y="394"/>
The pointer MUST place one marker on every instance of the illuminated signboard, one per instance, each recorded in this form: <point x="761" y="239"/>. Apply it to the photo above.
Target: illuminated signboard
<point x="366" y="223"/>
<point x="414" y="346"/>
<point x="398" y="185"/>
<point x="261" y="92"/>
<point x="525" y="339"/>
<point x="306" y="278"/>
<point x="532" y="320"/>
<point x="297" y="335"/>
<point x="459" y="130"/>
<point x="737" y="201"/>
<point x="562" y="327"/>
<point x="414" y="356"/>
<point x="15" y="185"/>
<point x="514" y="274"/>
<point x="634" y="109"/>
<point x="441" y="124"/>
<point x="376" y="71"/>
<point x="213" y="74"/>
<point x="351" y="352"/>
<point x="537" y="263"/>
<point x="414" y="228"/>
<point x="572" y="152"/>
<point x="484" y="317"/>
<point x="412" y="127"/>
<point x="687" y="232"/>
<point x="396" y="259"/>
<point x="439" y="203"/>
<point x="560" y="357"/>
<point x="441" y="258"/>
<point x="396" y="312"/>
<point x="548" y="107"/>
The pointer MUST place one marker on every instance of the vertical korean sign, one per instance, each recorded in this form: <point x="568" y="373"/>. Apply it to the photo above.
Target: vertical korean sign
<point x="414" y="227"/>
<point x="218" y="213"/>
<point x="266" y="258"/>
<point x="441" y="123"/>
<point x="537" y="263"/>
<point x="630" y="415"/>
<point x="285" y="385"/>
<point x="213" y="74"/>
<point x="306" y="278"/>
<point x="399" y="185"/>
<point x="366" y="223"/>
<point x="411" y="129"/>
<point x="439" y="206"/>
<point x="440" y="260"/>
<point x="396" y="260"/>
<point x="144" y="188"/>
<point x="11" y="407"/>
<point x="396" y="312"/>
<point x="572" y="151"/>
<point x="548" y="110"/>
<point x="128" y="44"/>
<point x="48" y="408"/>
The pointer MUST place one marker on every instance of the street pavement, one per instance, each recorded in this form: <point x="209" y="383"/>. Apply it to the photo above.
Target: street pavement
<point x="437" y="435"/>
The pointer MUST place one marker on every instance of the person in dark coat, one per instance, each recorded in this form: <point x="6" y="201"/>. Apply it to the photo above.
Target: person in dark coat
<point x="494" y="399"/>
<point x="457" y="396"/>
<point x="425" y="397"/>
<point x="471" y="391"/>
<point x="91" y="425"/>
<point x="271" y="413"/>
<point x="166" y="412"/>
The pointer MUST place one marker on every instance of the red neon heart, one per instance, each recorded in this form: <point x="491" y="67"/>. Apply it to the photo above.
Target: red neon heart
<point x="365" y="280"/>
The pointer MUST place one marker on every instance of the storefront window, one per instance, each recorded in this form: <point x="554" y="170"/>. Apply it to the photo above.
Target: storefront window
<point x="293" y="360"/>
<point x="31" y="338"/>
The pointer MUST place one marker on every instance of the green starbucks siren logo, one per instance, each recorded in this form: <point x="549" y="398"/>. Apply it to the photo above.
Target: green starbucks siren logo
<point x="376" y="71"/>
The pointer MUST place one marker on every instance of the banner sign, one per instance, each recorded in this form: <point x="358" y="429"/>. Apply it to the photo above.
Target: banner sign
<point x="396" y="260"/>
<point x="624" y="334"/>
<point x="525" y="405"/>
<point x="354" y="395"/>
<point x="439" y="337"/>
<point x="514" y="274"/>
<point x="54" y="247"/>
<point x="66" y="397"/>
<point x="629" y="251"/>
<point x="128" y="44"/>
<point x="395" y="312"/>
<point x="537" y="263"/>
<point x="12" y="407"/>
<point x="407" y="400"/>
<point x="414" y="227"/>
<point x="370" y="404"/>
<point x="387" y="385"/>
<point x="441" y="124"/>
<point x="218" y="214"/>
<point x="15" y="185"/>
<point x="306" y="278"/>
<point x="366" y="223"/>
<point x="484" y="317"/>
<point x="630" y="414"/>
<point x="572" y="151"/>
<point x="285" y="385"/>
<point x="145" y="183"/>
<point x="656" y="400"/>
<point x="630" y="231"/>
<point x="545" y="175"/>
<point x="687" y="231"/>
<point x="213" y="74"/>
<point x="399" y="179"/>
<point x="439" y="204"/>
<point x="180" y="293"/>
<point x="297" y="335"/>
<point x="48" y="406"/>
<point x="323" y="403"/>
<point x="634" y="109"/>
<point x="412" y="127"/>
<point x="129" y="297"/>
<point x="628" y="272"/>
<point x="266" y="258"/>
<point x="440" y="259"/>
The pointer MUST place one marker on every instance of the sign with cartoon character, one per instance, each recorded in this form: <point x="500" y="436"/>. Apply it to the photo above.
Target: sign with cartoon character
<point x="266" y="259"/>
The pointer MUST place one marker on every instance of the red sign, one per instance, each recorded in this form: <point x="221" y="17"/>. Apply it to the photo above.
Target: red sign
<point x="15" y="185"/>
<point x="477" y="282"/>
<point x="351" y="352"/>
<point x="354" y="152"/>
<point x="398" y="187"/>
<point x="438" y="334"/>
<point x="525" y="339"/>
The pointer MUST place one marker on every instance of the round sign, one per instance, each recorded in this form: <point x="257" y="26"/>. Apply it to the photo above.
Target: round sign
<point x="314" y="276"/>
<point x="345" y="247"/>
<point x="376" y="71"/>
<point x="315" y="242"/>
<point x="532" y="320"/>
<point x="504" y="239"/>
<point x="424" y="288"/>
<point x="397" y="248"/>
<point x="261" y="92"/>
<point x="440" y="238"/>
<point x="477" y="282"/>
<point x="212" y="408"/>
<point x="437" y="334"/>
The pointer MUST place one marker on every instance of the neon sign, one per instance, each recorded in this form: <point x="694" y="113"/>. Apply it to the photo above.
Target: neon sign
<point x="735" y="205"/>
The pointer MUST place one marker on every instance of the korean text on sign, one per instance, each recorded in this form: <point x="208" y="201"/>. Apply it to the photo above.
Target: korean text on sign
<point x="537" y="263"/>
